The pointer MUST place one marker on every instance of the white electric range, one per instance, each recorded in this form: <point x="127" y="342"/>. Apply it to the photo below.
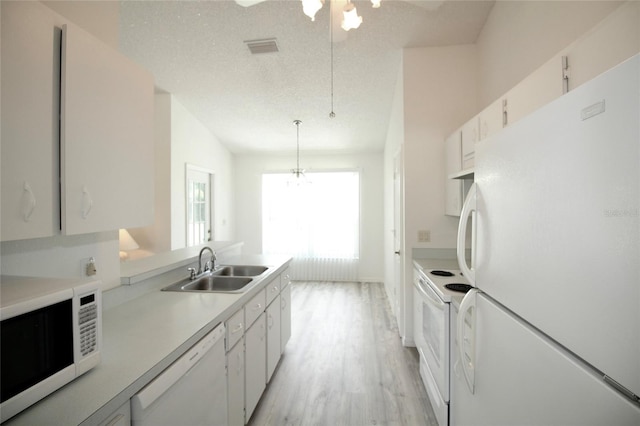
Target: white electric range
<point x="434" y="291"/>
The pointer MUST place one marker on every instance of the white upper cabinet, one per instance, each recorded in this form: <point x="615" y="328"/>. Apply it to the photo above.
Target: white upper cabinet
<point x="107" y="149"/>
<point x="453" y="163"/>
<point x="537" y="90"/>
<point x="493" y="118"/>
<point x="77" y="130"/>
<point x="470" y="135"/>
<point x="29" y="122"/>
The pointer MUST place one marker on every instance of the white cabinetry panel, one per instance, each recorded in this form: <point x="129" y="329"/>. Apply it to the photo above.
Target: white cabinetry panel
<point x="453" y="164"/>
<point x="470" y="135"/>
<point x="235" y="384"/>
<point x="537" y="90"/>
<point x="29" y="122"/>
<point x="106" y="137"/>
<point x="273" y="336"/>
<point x="285" y="317"/>
<point x="493" y="118"/>
<point x="256" y="364"/>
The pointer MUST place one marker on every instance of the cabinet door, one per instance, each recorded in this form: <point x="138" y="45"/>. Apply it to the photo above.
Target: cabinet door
<point x="29" y="122"/>
<point x="273" y="289"/>
<point x="285" y="277"/>
<point x="285" y="317"/>
<point x="470" y="134"/>
<point x="538" y="89"/>
<point x="107" y="148"/>
<point x="256" y="364"/>
<point x="235" y="328"/>
<point x="492" y="119"/>
<point x="273" y="336"/>
<point x="120" y="417"/>
<point x="235" y="384"/>
<point x="453" y="163"/>
<point x="254" y="308"/>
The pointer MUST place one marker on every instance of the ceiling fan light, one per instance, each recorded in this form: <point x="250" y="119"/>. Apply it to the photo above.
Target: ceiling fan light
<point x="311" y="7"/>
<point x="351" y="19"/>
<point x="375" y="3"/>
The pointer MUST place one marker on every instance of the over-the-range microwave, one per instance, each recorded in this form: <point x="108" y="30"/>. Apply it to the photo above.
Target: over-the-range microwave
<point x="50" y="333"/>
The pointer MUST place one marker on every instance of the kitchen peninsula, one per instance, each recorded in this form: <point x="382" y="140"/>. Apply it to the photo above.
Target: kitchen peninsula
<point x="144" y="335"/>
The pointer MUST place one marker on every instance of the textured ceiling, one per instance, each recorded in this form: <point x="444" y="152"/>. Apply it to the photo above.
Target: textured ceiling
<point x="196" y="51"/>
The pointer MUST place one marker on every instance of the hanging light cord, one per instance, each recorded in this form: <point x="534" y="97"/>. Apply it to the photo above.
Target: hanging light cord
<point x="331" y="114"/>
<point x="297" y="123"/>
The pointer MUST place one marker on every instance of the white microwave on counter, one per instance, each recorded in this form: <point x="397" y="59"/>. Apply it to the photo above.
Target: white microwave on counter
<point x="50" y="333"/>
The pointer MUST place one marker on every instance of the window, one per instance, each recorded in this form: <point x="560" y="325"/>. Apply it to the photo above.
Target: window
<point x="317" y="223"/>
<point x="199" y="212"/>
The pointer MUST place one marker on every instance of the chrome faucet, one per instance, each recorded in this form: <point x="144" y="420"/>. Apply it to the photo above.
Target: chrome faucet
<point x="213" y="260"/>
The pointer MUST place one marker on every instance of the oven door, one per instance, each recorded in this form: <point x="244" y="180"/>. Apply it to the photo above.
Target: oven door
<point x="434" y="334"/>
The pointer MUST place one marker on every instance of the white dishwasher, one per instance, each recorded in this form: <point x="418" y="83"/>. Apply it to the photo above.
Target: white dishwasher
<point x="191" y="392"/>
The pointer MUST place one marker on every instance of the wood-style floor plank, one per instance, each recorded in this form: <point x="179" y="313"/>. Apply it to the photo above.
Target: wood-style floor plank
<point x="344" y="364"/>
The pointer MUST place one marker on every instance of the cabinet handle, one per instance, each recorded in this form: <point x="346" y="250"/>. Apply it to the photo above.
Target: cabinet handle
<point x="274" y="289"/>
<point x="284" y="303"/>
<point x="271" y="321"/>
<point x="258" y="306"/>
<point x="238" y="328"/>
<point x="239" y="364"/>
<point x="30" y="206"/>
<point x="115" y="420"/>
<point x="87" y="202"/>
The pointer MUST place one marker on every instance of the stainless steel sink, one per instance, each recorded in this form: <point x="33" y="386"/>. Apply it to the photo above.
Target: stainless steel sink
<point x="211" y="283"/>
<point x="225" y="279"/>
<point x="240" y="270"/>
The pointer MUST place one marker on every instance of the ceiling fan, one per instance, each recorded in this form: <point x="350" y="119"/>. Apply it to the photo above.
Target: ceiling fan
<point x="343" y="13"/>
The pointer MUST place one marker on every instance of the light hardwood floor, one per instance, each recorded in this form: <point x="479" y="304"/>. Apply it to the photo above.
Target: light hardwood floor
<point x="344" y="363"/>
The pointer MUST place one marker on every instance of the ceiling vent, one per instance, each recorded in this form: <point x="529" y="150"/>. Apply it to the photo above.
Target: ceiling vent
<point x="265" y="45"/>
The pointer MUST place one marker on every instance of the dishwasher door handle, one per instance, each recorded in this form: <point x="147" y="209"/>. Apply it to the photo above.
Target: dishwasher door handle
<point x="158" y="386"/>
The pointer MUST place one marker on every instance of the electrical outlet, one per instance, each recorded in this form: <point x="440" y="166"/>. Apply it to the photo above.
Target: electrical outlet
<point x="424" y="236"/>
<point x="90" y="267"/>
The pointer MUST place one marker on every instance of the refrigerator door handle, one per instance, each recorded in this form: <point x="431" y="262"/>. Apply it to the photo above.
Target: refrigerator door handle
<point x="468" y="213"/>
<point x="466" y="341"/>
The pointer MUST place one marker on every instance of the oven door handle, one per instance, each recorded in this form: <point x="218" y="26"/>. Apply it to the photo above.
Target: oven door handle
<point x="428" y="292"/>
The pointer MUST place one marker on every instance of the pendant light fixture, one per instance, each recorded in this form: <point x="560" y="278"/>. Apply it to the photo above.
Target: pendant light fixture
<point x="311" y="7"/>
<point x="297" y="174"/>
<point x="351" y="19"/>
<point x="331" y="114"/>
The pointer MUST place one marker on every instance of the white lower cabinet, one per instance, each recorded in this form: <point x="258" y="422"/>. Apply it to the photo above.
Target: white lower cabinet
<point x="120" y="417"/>
<point x="285" y="316"/>
<point x="255" y="364"/>
<point x="235" y="383"/>
<point x="256" y="336"/>
<point x="273" y="336"/>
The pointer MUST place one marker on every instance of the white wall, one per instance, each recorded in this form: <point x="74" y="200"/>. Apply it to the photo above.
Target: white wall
<point x="438" y="93"/>
<point x="248" y="179"/>
<point x="394" y="141"/>
<point x="192" y="143"/>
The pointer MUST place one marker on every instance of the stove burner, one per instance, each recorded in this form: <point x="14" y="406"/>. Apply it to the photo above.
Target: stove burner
<point x="442" y="273"/>
<point x="462" y="288"/>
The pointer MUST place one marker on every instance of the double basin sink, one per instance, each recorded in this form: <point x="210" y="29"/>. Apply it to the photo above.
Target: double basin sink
<point x="224" y="279"/>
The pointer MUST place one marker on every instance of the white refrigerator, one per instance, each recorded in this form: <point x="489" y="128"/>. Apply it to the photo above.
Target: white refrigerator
<point x="551" y="332"/>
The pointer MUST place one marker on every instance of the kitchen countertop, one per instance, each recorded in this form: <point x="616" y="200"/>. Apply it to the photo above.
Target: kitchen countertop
<point x="142" y="337"/>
